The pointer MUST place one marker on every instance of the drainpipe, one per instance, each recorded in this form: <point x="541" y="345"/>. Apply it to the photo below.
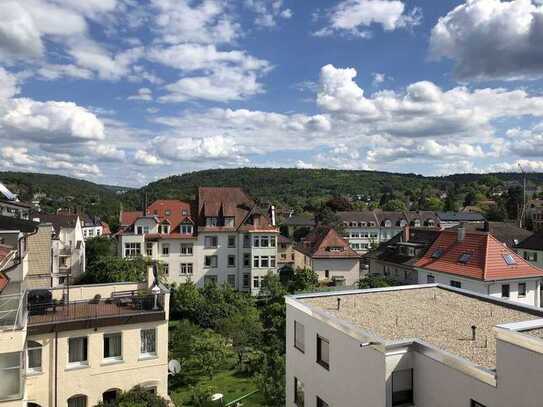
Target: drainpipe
<point x="56" y="368"/>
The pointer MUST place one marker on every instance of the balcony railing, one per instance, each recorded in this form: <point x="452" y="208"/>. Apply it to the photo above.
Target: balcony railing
<point x="118" y="305"/>
<point x="12" y="311"/>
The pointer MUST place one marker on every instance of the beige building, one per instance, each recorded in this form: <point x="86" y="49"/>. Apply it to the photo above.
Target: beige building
<point x="286" y="255"/>
<point x="77" y="347"/>
<point x="422" y="345"/>
<point x="329" y="255"/>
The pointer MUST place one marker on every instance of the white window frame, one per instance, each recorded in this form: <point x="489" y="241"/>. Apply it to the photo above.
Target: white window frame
<point x="146" y="353"/>
<point x="79" y="363"/>
<point x="34" y="348"/>
<point x="115" y="358"/>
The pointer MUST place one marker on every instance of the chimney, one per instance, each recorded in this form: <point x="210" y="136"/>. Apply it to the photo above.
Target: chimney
<point x="406" y="233"/>
<point x="486" y="226"/>
<point x="272" y="215"/>
<point x="461" y="233"/>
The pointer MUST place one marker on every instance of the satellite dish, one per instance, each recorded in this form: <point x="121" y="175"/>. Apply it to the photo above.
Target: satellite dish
<point x="217" y="397"/>
<point x="174" y="367"/>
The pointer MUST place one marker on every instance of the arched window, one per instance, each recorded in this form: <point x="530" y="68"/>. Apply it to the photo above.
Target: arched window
<point x="109" y="397"/>
<point x="77" y="401"/>
<point x="33" y="357"/>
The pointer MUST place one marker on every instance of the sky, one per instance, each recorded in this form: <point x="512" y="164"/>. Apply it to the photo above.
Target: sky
<point x="125" y="92"/>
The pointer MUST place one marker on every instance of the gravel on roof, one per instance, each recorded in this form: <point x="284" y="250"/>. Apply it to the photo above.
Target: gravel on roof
<point x="435" y="315"/>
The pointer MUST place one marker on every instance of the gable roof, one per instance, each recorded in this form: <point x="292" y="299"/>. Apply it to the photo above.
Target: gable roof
<point x="299" y="220"/>
<point x="506" y="232"/>
<point x="319" y="242"/>
<point x="58" y="221"/>
<point x="170" y="210"/>
<point x="129" y="217"/>
<point x="484" y="255"/>
<point x="533" y="242"/>
<point x="358" y="216"/>
<point x="423" y="216"/>
<point x="393" y="216"/>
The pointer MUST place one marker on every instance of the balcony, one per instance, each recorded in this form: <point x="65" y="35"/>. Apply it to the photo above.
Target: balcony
<point x="121" y="308"/>
<point x="12" y="311"/>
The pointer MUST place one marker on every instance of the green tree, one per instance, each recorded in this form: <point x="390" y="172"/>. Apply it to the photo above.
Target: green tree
<point x="434" y="204"/>
<point x="327" y="217"/>
<point x="113" y="269"/>
<point x="98" y="247"/>
<point x="394" y="205"/>
<point x="339" y="204"/>
<point x="303" y="280"/>
<point x="271" y="378"/>
<point x="210" y="352"/>
<point x="374" y="282"/>
<point x="136" y="397"/>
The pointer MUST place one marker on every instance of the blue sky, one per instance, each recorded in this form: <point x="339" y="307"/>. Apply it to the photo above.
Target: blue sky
<point x="127" y="91"/>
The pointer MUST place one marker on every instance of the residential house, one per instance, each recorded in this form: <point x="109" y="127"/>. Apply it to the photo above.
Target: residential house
<point x="531" y="249"/>
<point x="68" y="246"/>
<point x="11" y="206"/>
<point x="361" y="229"/>
<point x="93" y="226"/>
<point x="80" y="346"/>
<point x="285" y="252"/>
<point x="391" y="223"/>
<point x="479" y="262"/>
<point x="298" y="222"/>
<point x="534" y="213"/>
<point x="424" y="345"/>
<point x="396" y="258"/>
<point x="452" y="219"/>
<point x="227" y="240"/>
<point x="422" y="219"/>
<point x="329" y="255"/>
<point x="508" y="233"/>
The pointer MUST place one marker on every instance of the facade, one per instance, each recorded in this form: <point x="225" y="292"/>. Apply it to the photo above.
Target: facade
<point x="286" y="255"/>
<point x="227" y="240"/>
<point x="422" y="345"/>
<point x="452" y="219"/>
<point x="531" y="249"/>
<point x="92" y="226"/>
<point x="329" y="255"/>
<point x="478" y="262"/>
<point x="365" y="230"/>
<point x="534" y="213"/>
<point x="298" y="222"/>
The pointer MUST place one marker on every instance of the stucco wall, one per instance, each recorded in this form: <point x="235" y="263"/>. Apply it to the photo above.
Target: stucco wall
<point x="348" y="268"/>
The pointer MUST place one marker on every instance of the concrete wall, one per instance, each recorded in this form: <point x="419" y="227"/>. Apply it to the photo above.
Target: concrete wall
<point x="39" y="258"/>
<point x="347" y="268"/>
<point x="356" y="375"/>
<point x="99" y="376"/>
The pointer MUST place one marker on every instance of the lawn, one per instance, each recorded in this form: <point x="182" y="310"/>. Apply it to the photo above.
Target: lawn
<point x="230" y="383"/>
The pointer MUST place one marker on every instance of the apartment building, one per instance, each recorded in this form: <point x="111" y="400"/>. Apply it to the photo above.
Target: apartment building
<point x="451" y="219"/>
<point x="227" y="240"/>
<point x="531" y="249"/>
<point x="93" y="226"/>
<point x="80" y="346"/>
<point x="296" y="223"/>
<point x="68" y="246"/>
<point x="365" y="230"/>
<point x="423" y="345"/>
<point x="285" y="252"/>
<point x="329" y="255"/>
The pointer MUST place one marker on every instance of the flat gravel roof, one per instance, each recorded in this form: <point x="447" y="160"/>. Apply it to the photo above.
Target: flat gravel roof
<point x="435" y="315"/>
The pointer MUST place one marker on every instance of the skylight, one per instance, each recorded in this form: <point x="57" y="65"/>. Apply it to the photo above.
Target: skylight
<point x="437" y="254"/>
<point x="464" y="258"/>
<point x="509" y="259"/>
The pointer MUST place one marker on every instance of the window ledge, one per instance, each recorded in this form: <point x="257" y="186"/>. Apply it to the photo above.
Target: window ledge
<point x="111" y="361"/>
<point x="77" y="366"/>
<point x="30" y="373"/>
<point x="148" y="356"/>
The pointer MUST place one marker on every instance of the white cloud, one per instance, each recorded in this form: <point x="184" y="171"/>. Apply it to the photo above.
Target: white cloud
<point x="426" y="149"/>
<point x="19" y="36"/>
<point x="146" y="158"/>
<point x="196" y="148"/>
<point x="8" y="86"/>
<point x="268" y="11"/>
<point x="17" y="155"/>
<point x="144" y="94"/>
<point x="354" y="17"/>
<point x="108" y="152"/>
<point x="492" y="39"/>
<point x="56" y="71"/>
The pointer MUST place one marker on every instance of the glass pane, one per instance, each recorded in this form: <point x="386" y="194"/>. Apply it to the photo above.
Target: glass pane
<point x="11" y="382"/>
<point x="34" y="358"/>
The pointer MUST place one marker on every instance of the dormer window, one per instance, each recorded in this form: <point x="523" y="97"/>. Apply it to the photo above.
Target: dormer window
<point x="229" y="221"/>
<point x="186" y="229"/>
<point x="403" y="223"/>
<point x="430" y="222"/>
<point x="335" y="249"/>
<point x="354" y="224"/>
<point x="184" y="212"/>
<point x="167" y="212"/>
<point x="464" y="258"/>
<point x="388" y="223"/>
<point x="212" y="221"/>
<point x="165" y="229"/>
<point x="437" y="254"/>
<point x="417" y="223"/>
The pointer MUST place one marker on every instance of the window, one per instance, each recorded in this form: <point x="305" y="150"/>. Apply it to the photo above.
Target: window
<point x="164" y="228"/>
<point x="139" y="230"/>
<point x="246" y="260"/>
<point x="148" y="342"/>
<point x="166" y="268"/>
<point x="522" y="289"/>
<point x="77" y="350"/>
<point x="231" y="241"/>
<point x="272" y="241"/>
<point x="77" y="401"/>
<point x="210" y="261"/>
<point x="256" y="241"/>
<point x="186" y="229"/>
<point x="402" y="387"/>
<point x="264" y="261"/>
<point x="246" y="280"/>
<point x="256" y="282"/>
<point x="231" y="260"/>
<point x="298" y="392"/>
<point x="211" y="221"/>
<point x="323" y="352"/>
<point x="113" y="346"/>
<point x="165" y="249"/>
<point x="430" y="279"/>
<point x="186" y="268"/>
<point x="10" y="372"/>
<point x="272" y="261"/>
<point x="464" y="258"/>
<point x="186" y="249"/>
<point x="149" y="249"/>
<point x="321" y="402"/>
<point x="456" y="284"/>
<point x="473" y="403"/>
<point x="168" y="212"/>
<point x="505" y="290"/>
<point x="210" y="280"/>
<point x="509" y="259"/>
<point x="299" y="336"/>
<point x="264" y="241"/>
<point x="326" y="274"/>
<point x="33" y="357"/>
<point x="256" y="261"/>
<point x="231" y="279"/>
<point x="246" y="241"/>
<point x="132" y="249"/>
<point x="229" y="221"/>
<point x="210" y="242"/>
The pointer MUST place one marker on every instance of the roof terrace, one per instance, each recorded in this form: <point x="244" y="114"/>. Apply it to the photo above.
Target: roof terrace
<point x="440" y="316"/>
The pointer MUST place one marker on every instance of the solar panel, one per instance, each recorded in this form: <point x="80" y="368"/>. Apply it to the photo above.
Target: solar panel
<point x="437" y="254"/>
<point x="464" y="258"/>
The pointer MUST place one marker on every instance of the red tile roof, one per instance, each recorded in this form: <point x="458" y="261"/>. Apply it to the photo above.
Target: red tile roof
<point x="319" y="244"/>
<point x="129" y="217"/>
<point x="174" y="207"/>
<point x="486" y="258"/>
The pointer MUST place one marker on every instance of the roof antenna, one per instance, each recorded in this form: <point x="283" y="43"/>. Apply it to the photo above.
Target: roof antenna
<point x="338" y="303"/>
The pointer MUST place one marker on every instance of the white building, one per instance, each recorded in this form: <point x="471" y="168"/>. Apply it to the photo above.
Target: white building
<point x="422" y="345"/>
<point x="93" y="226"/>
<point x="229" y="240"/>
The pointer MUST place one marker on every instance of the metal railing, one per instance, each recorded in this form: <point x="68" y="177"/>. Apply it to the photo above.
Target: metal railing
<point x="12" y="311"/>
<point x="59" y="311"/>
